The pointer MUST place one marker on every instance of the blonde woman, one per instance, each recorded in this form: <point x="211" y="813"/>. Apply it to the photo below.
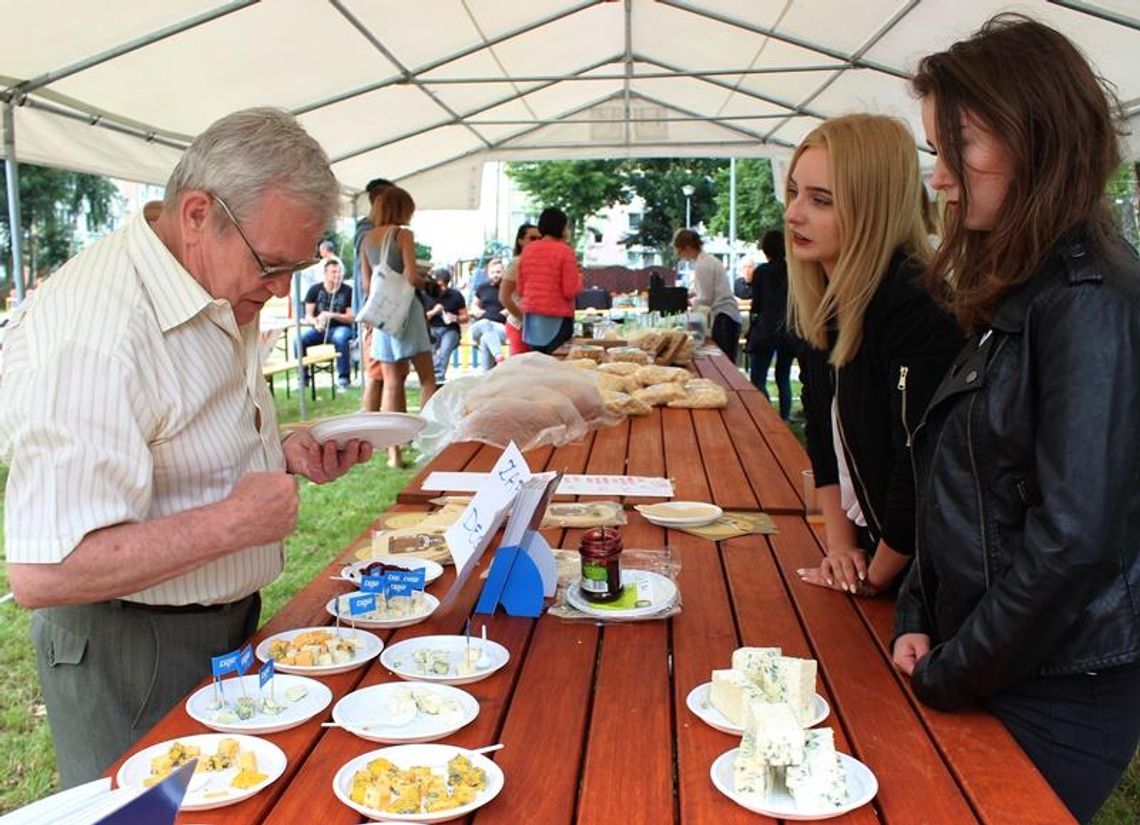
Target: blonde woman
<point x="391" y="212"/>
<point x="878" y="344"/>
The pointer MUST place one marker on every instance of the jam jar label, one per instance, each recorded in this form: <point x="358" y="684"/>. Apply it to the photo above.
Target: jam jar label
<point x="594" y="578"/>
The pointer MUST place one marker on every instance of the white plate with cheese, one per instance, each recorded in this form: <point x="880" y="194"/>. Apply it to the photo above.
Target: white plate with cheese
<point x="700" y="703"/>
<point x="241" y="705"/>
<point x="398" y="611"/>
<point x="319" y="651"/>
<point x="861" y="789"/>
<point x="405" y="712"/>
<point x="446" y="660"/>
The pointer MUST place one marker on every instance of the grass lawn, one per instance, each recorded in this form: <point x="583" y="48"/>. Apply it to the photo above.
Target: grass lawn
<point x="331" y="515"/>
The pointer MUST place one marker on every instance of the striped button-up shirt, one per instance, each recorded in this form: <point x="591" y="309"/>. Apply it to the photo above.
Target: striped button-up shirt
<point x="128" y="393"/>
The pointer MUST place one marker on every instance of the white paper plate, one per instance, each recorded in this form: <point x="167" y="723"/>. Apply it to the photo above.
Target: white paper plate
<point x="363" y="713"/>
<point x="400" y="659"/>
<point x="861" y="789"/>
<point x="427" y="607"/>
<point x="408" y="756"/>
<point x="380" y="429"/>
<point x="698" y="702"/>
<point x="658" y="594"/>
<point x="370" y="647"/>
<point x="680" y="513"/>
<point x="317" y="697"/>
<point x="209" y="789"/>
<point x="432" y="569"/>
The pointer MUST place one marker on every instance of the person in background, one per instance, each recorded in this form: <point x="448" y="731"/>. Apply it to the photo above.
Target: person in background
<point x="549" y="281"/>
<point x="447" y="313"/>
<point x="508" y="296"/>
<point x="742" y="284"/>
<point x="390" y="215"/>
<point x="361" y="278"/>
<point x="710" y="288"/>
<point x="488" y="333"/>
<point x="877" y="344"/>
<point x="147" y="501"/>
<point x="1023" y="593"/>
<point x="313" y="275"/>
<point x="768" y="321"/>
<point x="328" y="307"/>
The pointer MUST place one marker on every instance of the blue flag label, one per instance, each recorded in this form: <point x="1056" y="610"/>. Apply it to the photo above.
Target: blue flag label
<point x="372" y="584"/>
<point x="245" y="658"/>
<point x="266" y="672"/>
<point x="226" y="663"/>
<point x="415" y="578"/>
<point x="361" y="604"/>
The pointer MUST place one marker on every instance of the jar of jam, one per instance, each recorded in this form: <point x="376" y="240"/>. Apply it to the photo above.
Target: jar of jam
<point x="601" y="564"/>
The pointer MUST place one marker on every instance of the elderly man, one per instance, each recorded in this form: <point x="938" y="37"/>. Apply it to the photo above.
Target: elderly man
<point x="149" y="488"/>
<point x="328" y="307"/>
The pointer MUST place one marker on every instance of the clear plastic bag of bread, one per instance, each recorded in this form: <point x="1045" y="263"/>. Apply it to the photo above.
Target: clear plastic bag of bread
<point x="619" y="367"/>
<point x="607" y="382"/>
<point x="650" y="375"/>
<point x="625" y="404"/>
<point x="590" y="351"/>
<point x="532" y="419"/>
<point x="702" y="394"/>
<point x="659" y="394"/>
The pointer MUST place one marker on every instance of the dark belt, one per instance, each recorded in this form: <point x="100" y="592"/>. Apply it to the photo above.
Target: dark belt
<point x="174" y="609"/>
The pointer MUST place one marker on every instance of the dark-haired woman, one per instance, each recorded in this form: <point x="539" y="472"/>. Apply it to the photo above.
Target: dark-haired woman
<point x="549" y="281"/>
<point x="1025" y="592"/>
<point x="768" y="321"/>
<point x="508" y="296"/>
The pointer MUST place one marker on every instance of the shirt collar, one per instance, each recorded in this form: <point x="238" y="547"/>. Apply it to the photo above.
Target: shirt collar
<point x="173" y="292"/>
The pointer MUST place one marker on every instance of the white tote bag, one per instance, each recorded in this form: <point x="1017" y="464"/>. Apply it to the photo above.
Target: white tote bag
<point x="390" y="296"/>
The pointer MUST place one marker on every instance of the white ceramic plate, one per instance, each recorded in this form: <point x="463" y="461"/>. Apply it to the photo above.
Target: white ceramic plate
<point x="366" y="713"/>
<point x="432" y="569"/>
<point x="680" y="513"/>
<point x="379" y="619"/>
<point x="400" y="659"/>
<point x="656" y="594"/>
<point x="861" y="789"/>
<point x="698" y="702"/>
<point x="408" y="756"/>
<point x="369" y="648"/>
<point x="317" y="697"/>
<point x="380" y="429"/>
<point x="209" y="789"/>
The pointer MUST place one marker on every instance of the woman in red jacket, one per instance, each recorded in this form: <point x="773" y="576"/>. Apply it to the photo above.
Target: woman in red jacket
<point x="549" y="281"/>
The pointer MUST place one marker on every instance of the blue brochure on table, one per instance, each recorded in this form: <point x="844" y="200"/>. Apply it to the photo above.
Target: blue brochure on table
<point x="158" y="805"/>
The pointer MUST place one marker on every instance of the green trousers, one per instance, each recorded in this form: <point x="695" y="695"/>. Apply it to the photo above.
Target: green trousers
<point x="111" y="670"/>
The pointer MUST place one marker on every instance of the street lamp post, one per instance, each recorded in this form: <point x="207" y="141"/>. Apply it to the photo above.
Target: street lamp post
<point x="687" y="190"/>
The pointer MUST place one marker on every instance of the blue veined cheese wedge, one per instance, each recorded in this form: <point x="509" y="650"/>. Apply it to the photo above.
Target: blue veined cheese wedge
<point x="819" y="781"/>
<point x="730" y="691"/>
<point x="754" y="780"/>
<point x="757" y="663"/>
<point x="772" y="734"/>
<point x="792" y="681"/>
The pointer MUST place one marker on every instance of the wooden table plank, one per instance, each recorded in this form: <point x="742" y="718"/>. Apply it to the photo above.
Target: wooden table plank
<point x="646" y="455"/>
<point x="727" y="480"/>
<point x="733" y="377"/>
<point x="993" y="770"/>
<point x="682" y="458"/>
<point x="608" y="457"/>
<point x="628" y="771"/>
<point x="704" y="637"/>
<point x="454" y="456"/>
<point x="767" y="419"/>
<point x="885" y="733"/>
<point x="774" y="492"/>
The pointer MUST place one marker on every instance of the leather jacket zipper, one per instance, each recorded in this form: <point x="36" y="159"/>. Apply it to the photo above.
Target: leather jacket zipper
<point x="854" y="468"/>
<point x="917" y="562"/>
<point x="978" y="489"/>
<point x="903" y="370"/>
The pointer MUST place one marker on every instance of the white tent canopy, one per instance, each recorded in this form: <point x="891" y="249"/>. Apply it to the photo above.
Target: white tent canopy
<point x="424" y="93"/>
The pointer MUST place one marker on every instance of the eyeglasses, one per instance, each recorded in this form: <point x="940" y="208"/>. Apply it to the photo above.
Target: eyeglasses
<point x="267" y="271"/>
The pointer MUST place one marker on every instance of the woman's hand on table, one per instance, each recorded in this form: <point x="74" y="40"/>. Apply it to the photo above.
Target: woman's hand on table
<point x="322" y="463"/>
<point x="909" y="650"/>
<point x="843" y="568"/>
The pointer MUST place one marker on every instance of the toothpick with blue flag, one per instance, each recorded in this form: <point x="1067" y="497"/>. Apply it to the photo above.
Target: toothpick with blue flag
<point x="266" y="674"/>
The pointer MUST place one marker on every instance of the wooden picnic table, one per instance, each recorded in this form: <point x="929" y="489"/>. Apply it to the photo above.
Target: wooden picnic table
<point x="593" y="718"/>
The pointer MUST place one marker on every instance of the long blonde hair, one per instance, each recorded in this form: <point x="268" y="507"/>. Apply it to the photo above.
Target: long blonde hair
<point x="877" y="193"/>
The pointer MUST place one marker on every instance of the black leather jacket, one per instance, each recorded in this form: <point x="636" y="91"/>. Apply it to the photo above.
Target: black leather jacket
<point x="1028" y="496"/>
<point x="908" y="344"/>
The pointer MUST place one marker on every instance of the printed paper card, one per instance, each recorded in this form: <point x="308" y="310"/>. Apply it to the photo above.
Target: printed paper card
<point x="470" y="535"/>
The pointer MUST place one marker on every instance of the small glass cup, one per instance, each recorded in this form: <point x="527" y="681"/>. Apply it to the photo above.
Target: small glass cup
<point x="812" y="511"/>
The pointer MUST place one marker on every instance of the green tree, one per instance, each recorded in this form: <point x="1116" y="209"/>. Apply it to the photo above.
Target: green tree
<point x="1123" y="192"/>
<point x="51" y="201"/>
<point x="757" y="209"/>
<point x="658" y="181"/>
<point x="577" y="187"/>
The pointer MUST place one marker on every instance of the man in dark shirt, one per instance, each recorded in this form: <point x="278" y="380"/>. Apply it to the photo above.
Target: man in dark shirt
<point x="489" y="332"/>
<point x="328" y="307"/>
<point x="446" y="313"/>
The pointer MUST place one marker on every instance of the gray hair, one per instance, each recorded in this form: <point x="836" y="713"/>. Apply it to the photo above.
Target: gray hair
<point x="244" y="154"/>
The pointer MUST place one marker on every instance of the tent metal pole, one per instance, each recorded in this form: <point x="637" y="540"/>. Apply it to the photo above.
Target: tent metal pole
<point x="295" y="294"/>
<point x="731" y="217"/>
<point x="12" y="176"/>
<point x="1094" y="11"/>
